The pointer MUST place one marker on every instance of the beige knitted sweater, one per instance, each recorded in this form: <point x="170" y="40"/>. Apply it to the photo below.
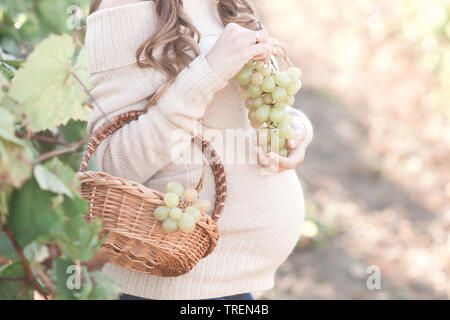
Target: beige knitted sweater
<point x="264" y="213"/>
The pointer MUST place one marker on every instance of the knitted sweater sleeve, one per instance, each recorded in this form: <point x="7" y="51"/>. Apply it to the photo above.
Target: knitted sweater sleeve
<point x="141" y="148"/>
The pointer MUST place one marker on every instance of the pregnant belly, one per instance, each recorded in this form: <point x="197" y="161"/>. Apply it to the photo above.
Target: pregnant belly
<point x="268" y="208"/>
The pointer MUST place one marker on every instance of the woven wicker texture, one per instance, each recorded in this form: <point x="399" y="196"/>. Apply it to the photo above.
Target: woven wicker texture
<point x="134" y="238"/>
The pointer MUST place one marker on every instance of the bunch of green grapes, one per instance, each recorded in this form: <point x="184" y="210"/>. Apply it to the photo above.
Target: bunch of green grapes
<point x="182" y="210"/>
<point x="269" y="92"/>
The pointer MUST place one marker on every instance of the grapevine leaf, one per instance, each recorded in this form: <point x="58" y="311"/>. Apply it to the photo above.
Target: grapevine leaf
<point x="4" y="83"/>
<point x="31" y="213"/>
<point x="36" y="253"/>
<point x="7" y="126"/>
<point x="6" y="248"/>
<point x="12" y="106"/>
<point x="65" y="173"/>
<point x="14" y="289"/>
<point x="15" y="164"/>
<point x="82" y="68"/>
<point x="84" y="239"/>
<point x="7" y="71"/>
<point x="50" y="182"/>
<point x="67" y="277"/>
<point x="105" y="288"/>
<point x="88" y="285"/>
<point x="45" y="88"/>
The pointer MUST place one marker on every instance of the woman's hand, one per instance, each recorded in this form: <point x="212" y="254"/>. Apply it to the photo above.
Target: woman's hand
<point x="235" y="47"/>
<point x="274" y="163"/>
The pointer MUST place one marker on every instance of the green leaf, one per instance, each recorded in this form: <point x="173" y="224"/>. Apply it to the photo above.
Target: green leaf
<point x="50" y="182"/>
<point x="31" y="214"/>
<point x="4" y="83"/>
<point x="67" y="277"/>
<point x="104" y="288"/>
<point x="45" y="88"/>
<point x="84" y="236"/>
<point x="36" y="253"/>
<point x="7" y="71"/>
<point x="6" y="247"/>
<point x="14" y="289"/>
<point x="7" y="127"/>
<point x="65" y="174"/>
<point x="82" y="68"/>
<point x="15" y="164"/>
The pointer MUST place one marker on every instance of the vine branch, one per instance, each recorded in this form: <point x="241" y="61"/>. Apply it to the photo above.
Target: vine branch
<point x="25" y="264"/>
<point x="72" y="148"/>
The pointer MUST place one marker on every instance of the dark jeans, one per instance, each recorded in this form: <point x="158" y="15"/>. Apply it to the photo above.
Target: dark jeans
<point x="242" y="296"/>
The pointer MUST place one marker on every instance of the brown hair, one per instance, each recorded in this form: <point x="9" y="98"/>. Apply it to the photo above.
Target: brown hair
<point x="178" y="38"/>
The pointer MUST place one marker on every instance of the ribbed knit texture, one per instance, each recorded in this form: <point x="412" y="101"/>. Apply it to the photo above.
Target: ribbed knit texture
<point x="264" y="213"/>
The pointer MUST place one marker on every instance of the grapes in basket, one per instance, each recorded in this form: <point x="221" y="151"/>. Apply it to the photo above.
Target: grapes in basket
<point x="182" y="209"/>
<point x="268" y="93"/>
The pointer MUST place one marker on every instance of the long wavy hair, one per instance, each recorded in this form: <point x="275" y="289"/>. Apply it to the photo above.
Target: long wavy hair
<point x="178" y="38"/>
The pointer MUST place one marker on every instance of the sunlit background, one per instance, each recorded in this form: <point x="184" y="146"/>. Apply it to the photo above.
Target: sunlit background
<point x="377" y="175"/>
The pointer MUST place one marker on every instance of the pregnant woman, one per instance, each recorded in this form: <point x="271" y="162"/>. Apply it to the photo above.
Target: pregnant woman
<point x="178" y="59"/>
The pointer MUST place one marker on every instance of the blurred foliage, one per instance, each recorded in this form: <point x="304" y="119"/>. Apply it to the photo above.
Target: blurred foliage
<point x="45" y="242"/>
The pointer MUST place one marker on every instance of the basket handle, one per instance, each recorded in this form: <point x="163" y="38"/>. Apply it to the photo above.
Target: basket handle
<point x="215" y="162"/>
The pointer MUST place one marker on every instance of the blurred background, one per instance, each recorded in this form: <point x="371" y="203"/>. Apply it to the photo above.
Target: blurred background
<point x="377" y="175"/>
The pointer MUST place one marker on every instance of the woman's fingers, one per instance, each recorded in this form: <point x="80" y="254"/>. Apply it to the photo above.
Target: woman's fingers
<point x="260" y="51"/>
<point x="299" y="137"/>
<point x="280" y="164"/>
<point x="263" y="160"/>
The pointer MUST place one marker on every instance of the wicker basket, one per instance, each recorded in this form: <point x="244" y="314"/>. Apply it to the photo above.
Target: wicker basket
<point x="134" y="238"/>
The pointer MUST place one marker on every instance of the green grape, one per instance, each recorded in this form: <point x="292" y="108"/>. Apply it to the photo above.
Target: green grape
<point x="287" y="117"/>
<point x="268" y="84"/>
<point x="262" y="113"/>
<point x="279" y="94"/>
<point x="292" y="78"/>
<point x="299" y="85"/>
<point x="249" y="103"/>
<point x="259" y="65"/>
<point x="256" y="124"/>
<point x="282" y="80"/>
<point x="266" y="71"/>
<point x="257" y="79"/>
<point x="175" y="213"/>
<point x="161" y="213"/>
<point x="254" y="91"/>
<point x="292" y="89"/>
<point x="202" y="204"/>
<point x="280" y="105"/>
<point x="191" y="195"/>
<point x="290" y="100"/>
<point x="295" y="71"/>
<point x="169" y="225"/>
<point x="252" y="115"/>
<point x="249" y="65"/>
<point x="186" y="223"/>
<point x="258" y="102"/>
<point x="283" y="153"/>
<point x="244" y="76"/>
<point x="276" y="115"/>
<point x="175" y="187"/>
<point x="171" y="200"/>
<point x="267" y="98"/>
<point x="194" y="212"/>
<point x="286" y="130"/>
